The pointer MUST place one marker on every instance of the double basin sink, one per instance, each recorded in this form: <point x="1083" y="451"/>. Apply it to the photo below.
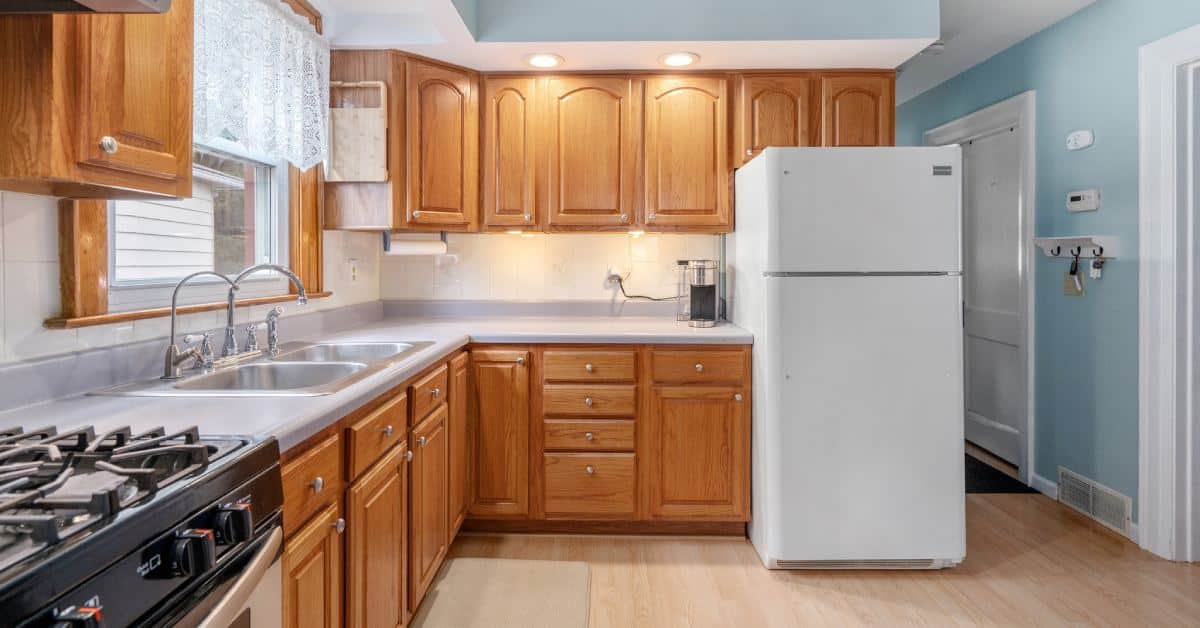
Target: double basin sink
<point x="299" y="369"/>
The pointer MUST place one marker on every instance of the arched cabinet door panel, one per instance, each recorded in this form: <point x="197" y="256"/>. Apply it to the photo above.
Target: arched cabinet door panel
<point x="859" y="110"/>
<point x="509" y="144"/>
<point x="443" y="146"/>
<point x="776" y="110"/>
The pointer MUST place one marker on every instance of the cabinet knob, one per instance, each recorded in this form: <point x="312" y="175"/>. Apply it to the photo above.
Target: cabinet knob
<point x="589" y="469"/>
<point x="416" y="214"/>
<point x="387" y="431"/>
<point x="109" y="144"/>
<point x="339" y="525"/>
<point x="651" y="216"/>
<point x="587" y="401"/>
<point x="436" y="392"/>
<point x="408" y="456"/>
<point x="749" y="152"/>
<point x="528" y="217"/>
<point x="699" y="367"/>
<point x="421" y="441"/>
<point x="589" y="436"/>
<point x="318" y="484"/>
<point x="588" y="367"/>
<point x="520" y="361"/>
<point x="624" y="217"/>
<point x="737" y="397"/>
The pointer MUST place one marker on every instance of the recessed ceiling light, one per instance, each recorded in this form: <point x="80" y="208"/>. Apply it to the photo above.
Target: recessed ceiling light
<point x="679" y="59"/>
<point x="544" y="60"/>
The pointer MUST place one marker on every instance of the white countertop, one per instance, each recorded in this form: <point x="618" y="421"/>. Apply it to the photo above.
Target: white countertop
<point x="293" y="419"/>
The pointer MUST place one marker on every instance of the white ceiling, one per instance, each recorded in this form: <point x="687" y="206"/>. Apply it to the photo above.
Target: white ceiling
<point x="976" y="30"/>
<point x="435" y="29"/>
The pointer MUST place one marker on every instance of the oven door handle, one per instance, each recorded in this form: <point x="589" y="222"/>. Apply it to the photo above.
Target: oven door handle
<point x="236" y="597"/>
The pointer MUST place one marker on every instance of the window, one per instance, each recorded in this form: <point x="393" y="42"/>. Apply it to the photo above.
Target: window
<point x="235" y="218"/>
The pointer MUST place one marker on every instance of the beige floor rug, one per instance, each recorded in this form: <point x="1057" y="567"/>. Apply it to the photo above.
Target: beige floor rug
<point x="503" y="593"/>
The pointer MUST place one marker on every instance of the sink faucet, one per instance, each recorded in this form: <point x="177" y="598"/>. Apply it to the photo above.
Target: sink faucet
<point x="174" y="356"/>
<point x="230" y="348"/>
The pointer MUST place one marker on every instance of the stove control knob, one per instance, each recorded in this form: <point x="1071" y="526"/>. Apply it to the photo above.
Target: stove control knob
<point x="79" y="617"/>
<point x="234" y="524"/>
<point x="194" y="552"/>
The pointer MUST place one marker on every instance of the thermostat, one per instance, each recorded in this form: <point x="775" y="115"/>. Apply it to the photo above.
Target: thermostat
<point x="1080" y="140"/>
<point x="1083" y="201"/>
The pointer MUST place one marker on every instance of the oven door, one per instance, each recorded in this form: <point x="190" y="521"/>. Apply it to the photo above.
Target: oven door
<point x="248" y="594"/>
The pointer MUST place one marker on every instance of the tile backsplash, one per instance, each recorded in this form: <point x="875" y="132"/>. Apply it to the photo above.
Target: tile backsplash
<point x="543" y="267"/>
<point x="29" y="291"/>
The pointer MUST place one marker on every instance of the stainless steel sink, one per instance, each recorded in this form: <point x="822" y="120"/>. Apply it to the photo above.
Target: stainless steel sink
<point x="365" y="352"/>
<point x="273" y="376"/>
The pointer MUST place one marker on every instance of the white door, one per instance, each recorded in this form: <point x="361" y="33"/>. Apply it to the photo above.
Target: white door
<point x="992" y="253"/>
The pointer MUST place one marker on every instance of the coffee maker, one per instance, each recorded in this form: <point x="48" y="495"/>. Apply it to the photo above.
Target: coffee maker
<point x="697" y="297"/>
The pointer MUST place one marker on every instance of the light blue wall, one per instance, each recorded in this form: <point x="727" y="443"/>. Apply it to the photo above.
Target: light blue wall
<point x="1085" y="71"/>
<point x="469" y="10"/>
<point x="701" y="20"/>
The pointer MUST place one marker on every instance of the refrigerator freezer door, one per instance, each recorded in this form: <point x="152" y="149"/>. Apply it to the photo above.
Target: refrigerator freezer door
<point x="865" y="421"/>
<point x="866" y="210"/>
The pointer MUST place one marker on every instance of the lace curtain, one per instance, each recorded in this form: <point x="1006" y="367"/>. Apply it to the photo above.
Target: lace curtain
<point x="261" y="80"/>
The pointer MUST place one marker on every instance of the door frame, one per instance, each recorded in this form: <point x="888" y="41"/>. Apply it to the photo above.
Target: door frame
<point x="1168" y="337"/>
<point x="1020" y="111"/>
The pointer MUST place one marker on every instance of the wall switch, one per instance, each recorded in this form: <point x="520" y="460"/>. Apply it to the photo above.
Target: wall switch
<point x="1073" y="284"/>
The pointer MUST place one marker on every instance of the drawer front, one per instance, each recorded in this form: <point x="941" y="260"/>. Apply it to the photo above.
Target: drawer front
<point x="311" y="482"/>
<point x="588" y="435"/>
<point x="583" y="400"/>
<point x="375" y="434"/>
<point x="428" y="393"/>
<point x="693" y="367"/>
<point x="601" y="485"/>
<point x="563" y="365"/>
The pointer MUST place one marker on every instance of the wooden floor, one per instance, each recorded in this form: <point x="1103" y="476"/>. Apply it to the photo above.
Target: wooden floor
<point x="1030" y="562"/>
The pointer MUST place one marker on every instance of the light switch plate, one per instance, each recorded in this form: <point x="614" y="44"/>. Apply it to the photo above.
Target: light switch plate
<point x="1070" y="288"/>
<point x="1079" y="140"/>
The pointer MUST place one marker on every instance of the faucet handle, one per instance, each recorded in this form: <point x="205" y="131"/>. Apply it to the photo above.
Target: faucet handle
<point x="251" y="339"/>
<point x="206" y="357"/>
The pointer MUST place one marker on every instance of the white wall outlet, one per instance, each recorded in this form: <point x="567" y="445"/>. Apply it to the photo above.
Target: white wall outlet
<point x="1079" y="140"/>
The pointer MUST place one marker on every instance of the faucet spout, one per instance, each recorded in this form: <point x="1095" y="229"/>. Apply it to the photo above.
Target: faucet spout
<point x="173" y="358"/>
<point x="230" y="346"/>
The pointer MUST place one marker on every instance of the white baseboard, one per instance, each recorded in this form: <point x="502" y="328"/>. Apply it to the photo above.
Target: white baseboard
<point x="1044" y="486"/>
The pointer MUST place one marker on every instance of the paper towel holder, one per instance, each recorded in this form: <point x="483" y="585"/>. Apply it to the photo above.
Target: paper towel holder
<point x="389" y="245"/>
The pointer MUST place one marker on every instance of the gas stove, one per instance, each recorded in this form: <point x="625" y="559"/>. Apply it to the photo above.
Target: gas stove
<point x="116" y="524"/>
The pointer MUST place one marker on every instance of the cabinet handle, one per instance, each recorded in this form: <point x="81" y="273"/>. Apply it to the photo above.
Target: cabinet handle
<point x="699" y="367"/>
<point x="527" y="217"/>
<point x="589" y="469"/>
<point x="589" y="436"/>
<point x="387" y="431"/>
<point x="318" y="484"/>
<point x="651" y="216"/>
<point x="588" y="367"/>
<point x="408" y="456"/>
<point x="421" y="441"/>
<point x="587" y="401"/>
<point x="749" y="152"/>
<point x="436" y="392"/>
<point x="520" y="361"/>
<point x="624" y="217"/>
<point x="109" y="144"/>
<point x="339" y="525"/>
<point x="737" y="397"/>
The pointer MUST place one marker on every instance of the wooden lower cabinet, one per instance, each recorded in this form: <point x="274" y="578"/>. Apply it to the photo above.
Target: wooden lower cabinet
<point x="429" y="536"/>
<point x="500" y="432"/>
<point x="312" y="573"/>
<point x="377" y="545"/>
<point x="459" y="441"/>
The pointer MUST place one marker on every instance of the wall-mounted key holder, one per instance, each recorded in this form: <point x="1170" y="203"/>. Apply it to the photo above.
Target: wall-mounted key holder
<point x="1082" y="252"/>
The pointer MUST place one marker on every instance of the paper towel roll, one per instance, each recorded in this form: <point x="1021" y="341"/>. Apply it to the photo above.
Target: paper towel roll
<point x="416" y="247"/>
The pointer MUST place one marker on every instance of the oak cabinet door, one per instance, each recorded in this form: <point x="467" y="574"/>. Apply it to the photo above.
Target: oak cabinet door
<point x="459" y="437"/>
<point x="509" y="144"/>
<point x="136" y="96"/>
<point x="590" y="151"/>
<point x="687" y="152"/>
<point x="699" y="453"/>
<point x="500" y="433"/>
<point x="859" y="110"/>
<point x="312" y="573"/>
<point x="443" y="146"/>
<point x="776" y="110"/>
<point x="429" y="528"/>
<point x="377" y="544"/>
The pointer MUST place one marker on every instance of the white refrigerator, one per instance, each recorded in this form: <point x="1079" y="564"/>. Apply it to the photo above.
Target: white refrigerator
<point x="846" y="265"/>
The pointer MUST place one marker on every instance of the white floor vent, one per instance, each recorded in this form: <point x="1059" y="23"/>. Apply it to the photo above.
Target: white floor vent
<point x="1095" y="500"/>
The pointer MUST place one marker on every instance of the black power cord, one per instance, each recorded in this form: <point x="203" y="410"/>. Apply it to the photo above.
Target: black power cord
<point x="620" y="281"/>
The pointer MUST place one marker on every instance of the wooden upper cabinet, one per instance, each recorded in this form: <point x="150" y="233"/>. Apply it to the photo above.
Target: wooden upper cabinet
<point x="312" y="573"/>
<point x="858" y="109"/>
<point x="591" y="130"/>
<point x="99" y="106"/>
<point x="509" y="146"/>
<point x="443" y="146"/>
<point x="776" y="110"/>
<point x="377" y="545"/>
<point x="500" y="432"/>
<point x="687" y="153"/>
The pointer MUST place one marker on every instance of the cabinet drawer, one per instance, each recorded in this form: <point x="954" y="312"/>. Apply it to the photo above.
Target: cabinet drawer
<point x="584" y="434"/>
<point x="590" y="484"/>
<point x="561" y="365"/>
<point x="376" y="433"/>
<point x="690" y="367"/>
<point x="311" y="482"/>
<point x="428" y="393"/>
<point x="583" y="400"/>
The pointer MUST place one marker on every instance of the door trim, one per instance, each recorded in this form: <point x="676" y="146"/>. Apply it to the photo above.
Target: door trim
<point x="1020" y="112"/>
<point x="1168" y="344"/>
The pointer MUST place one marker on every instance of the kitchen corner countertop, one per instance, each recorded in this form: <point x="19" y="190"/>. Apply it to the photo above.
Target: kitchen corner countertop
<point x="293" y="419"/>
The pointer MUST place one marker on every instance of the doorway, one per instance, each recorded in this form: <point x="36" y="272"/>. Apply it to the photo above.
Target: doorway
<point x="997" y="145"/>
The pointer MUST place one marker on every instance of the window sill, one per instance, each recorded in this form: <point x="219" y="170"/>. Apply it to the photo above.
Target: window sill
<point x="160" y="312"/>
